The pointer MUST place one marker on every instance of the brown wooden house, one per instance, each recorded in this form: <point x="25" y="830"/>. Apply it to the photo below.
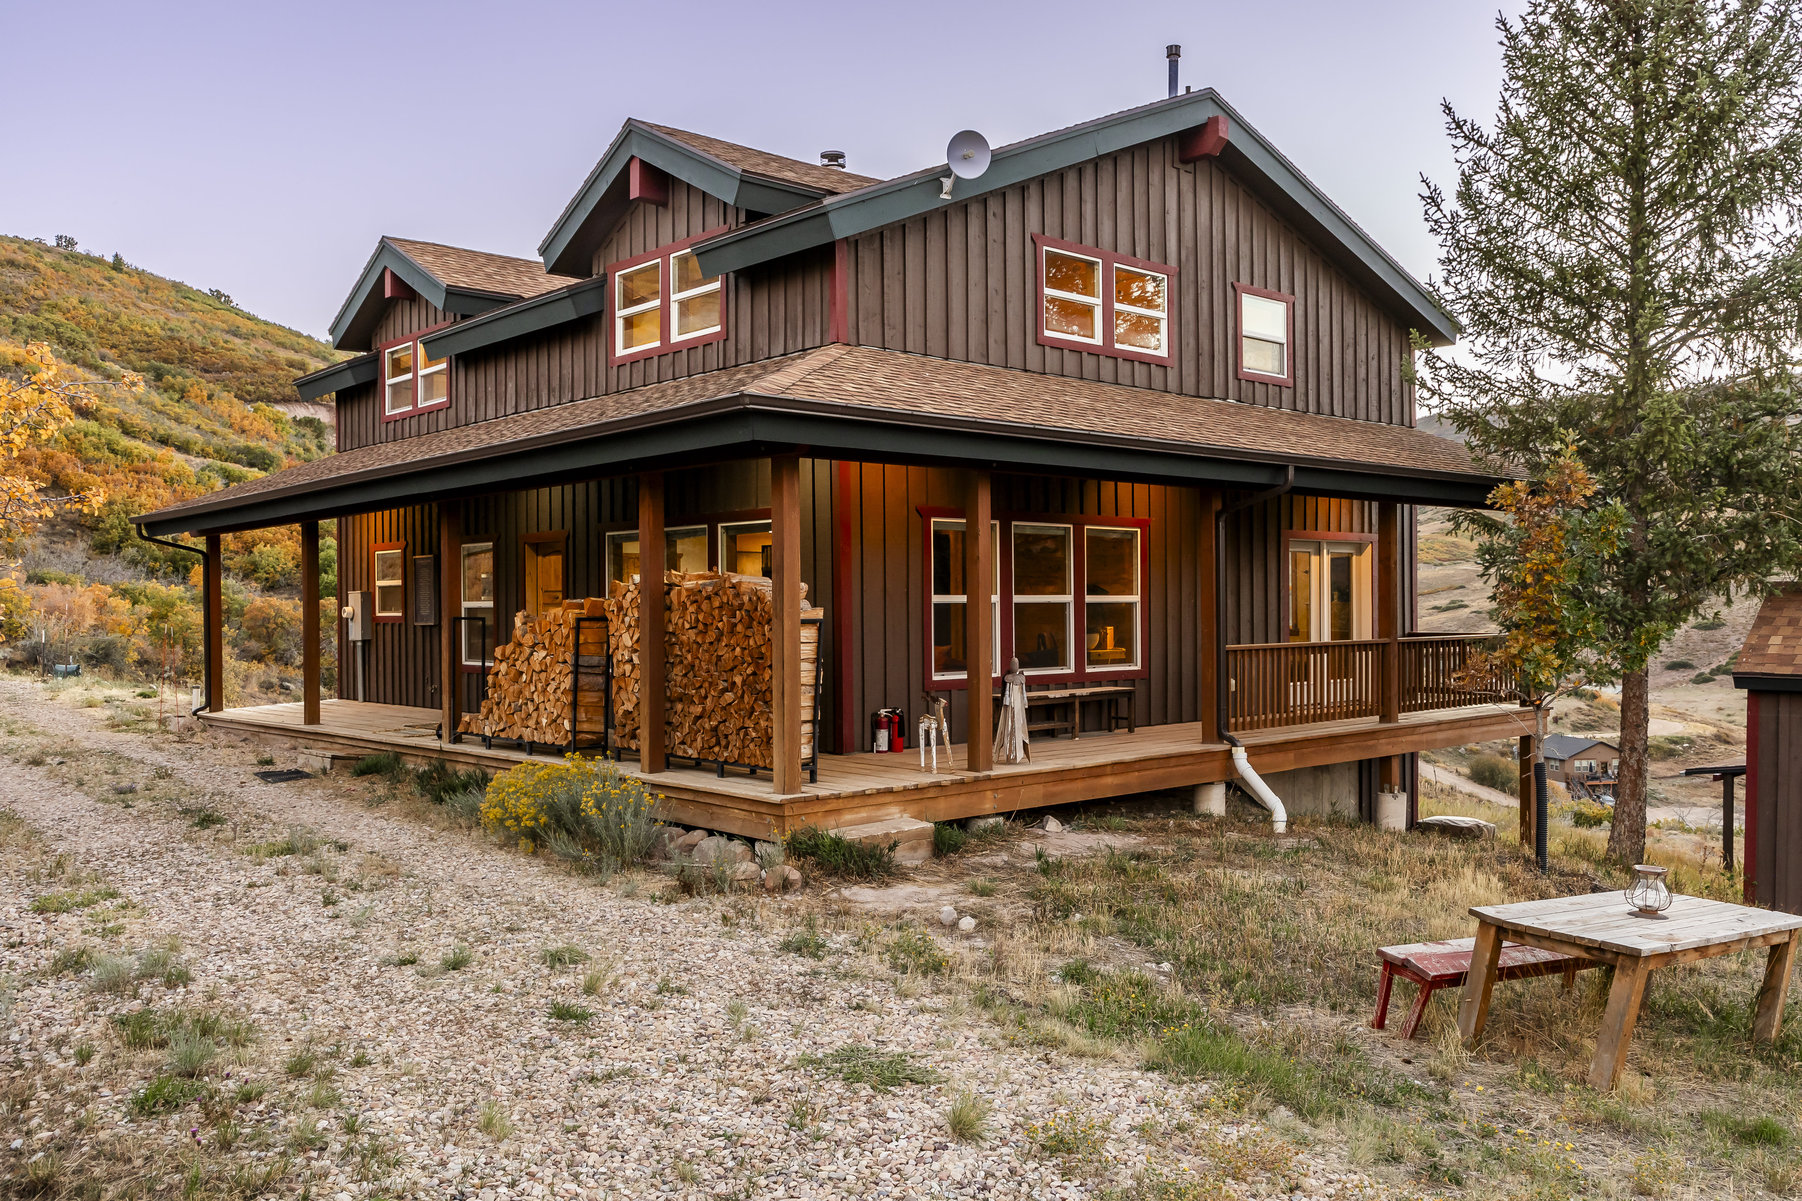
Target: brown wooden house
<point x="1164" y="371"/>
<point x="1769" y="669"/>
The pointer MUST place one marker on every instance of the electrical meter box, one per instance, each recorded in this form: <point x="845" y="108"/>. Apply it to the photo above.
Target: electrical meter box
<point x="359" y="615"/>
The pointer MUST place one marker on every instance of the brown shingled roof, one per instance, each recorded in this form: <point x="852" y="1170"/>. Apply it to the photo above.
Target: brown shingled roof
<point x="1774" y="645"/>
<point x="762" y="162"/>
<point x="481" y="271"/>
<point x="872" y="384"/>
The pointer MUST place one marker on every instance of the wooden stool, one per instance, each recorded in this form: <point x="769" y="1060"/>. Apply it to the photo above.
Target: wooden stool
<point x="1435" y="965"/>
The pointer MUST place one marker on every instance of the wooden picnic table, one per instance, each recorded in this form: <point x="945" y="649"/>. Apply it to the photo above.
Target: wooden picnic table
<point x="1601" y="926"/>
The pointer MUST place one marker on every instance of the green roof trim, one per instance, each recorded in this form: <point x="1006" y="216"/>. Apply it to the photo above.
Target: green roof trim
<point x="338" y="377"/>
<point x="1272" y="175"/>
<point x="585" y="218"/>
<point x="520" y="319"/>
<point x="354" y="326"/>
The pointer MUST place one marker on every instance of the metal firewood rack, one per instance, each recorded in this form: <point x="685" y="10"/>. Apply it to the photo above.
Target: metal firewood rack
<point x="811" y="763"/>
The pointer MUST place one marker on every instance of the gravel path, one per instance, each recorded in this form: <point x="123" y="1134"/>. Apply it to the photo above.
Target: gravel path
<point x="684" y="1081"/>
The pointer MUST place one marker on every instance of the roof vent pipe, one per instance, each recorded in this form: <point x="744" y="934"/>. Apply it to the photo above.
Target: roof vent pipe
<point x="1173" y="53"/>
<point x="832" y="158"/>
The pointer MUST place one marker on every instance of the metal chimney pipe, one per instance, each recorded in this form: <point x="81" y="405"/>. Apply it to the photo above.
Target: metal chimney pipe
<point x="1173" y="53"/>
<point x="832" y="158"/>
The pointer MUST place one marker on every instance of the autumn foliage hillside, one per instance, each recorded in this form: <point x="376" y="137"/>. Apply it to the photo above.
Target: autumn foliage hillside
<point x="218" y="406"/>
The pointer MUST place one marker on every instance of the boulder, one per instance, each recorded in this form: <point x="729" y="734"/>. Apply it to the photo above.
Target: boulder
<point x="686" y="843"/>
<point x="781" y="878"/>
<point x="1457" y="827"/>
<point x="966" y="924"/>
<point x="1051" y="825"/>
<point x="663" y="842"/>
<point x="720" y="849"/>
<point x="948" y="916"/>
<point x="980" y="825"/>
<point x="744" y="872"/>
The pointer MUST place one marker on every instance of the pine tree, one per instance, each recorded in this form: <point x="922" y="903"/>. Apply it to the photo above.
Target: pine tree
<point x="1623" y="250"/>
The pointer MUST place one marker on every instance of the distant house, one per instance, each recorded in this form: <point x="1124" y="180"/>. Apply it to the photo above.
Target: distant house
<point x="1572" y="759"/>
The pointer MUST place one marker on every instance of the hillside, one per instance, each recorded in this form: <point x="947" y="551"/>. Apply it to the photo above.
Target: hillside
<point x="218" y="407"/>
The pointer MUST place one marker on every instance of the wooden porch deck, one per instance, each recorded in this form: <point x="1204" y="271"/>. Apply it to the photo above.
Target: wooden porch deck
<point x="867" y="787"/>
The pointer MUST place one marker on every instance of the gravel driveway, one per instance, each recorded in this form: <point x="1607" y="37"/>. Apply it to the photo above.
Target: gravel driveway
<point x="683" y="1080"/>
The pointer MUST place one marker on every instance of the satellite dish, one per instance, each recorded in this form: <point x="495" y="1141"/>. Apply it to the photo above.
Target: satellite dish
<point x="968" y="154"/>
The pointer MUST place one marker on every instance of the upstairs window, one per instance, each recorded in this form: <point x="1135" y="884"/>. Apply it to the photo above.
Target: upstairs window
<point x="1266" y="329"/>
<point x="414" y="382"/>
<point x="662" y="303"/>
<point x="1102" y="302"/>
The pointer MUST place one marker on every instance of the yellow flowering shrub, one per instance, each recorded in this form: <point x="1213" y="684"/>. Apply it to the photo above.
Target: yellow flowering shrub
<point x="585" y="810"/>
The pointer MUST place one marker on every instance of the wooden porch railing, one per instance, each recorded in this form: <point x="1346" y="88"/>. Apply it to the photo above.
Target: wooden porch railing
<point x="1277" y="684"/>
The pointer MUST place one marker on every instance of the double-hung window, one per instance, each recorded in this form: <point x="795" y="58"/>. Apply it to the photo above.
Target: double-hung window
<point x="1266" y="329"/>
<point x="1044" y="601"/>
<point x="1111" y="598"/>
<point x="662" y="302"/>
<point x="413" y="381"/>
<point x="950" y="610"/>
<point x="1102" y="302"/>
<point x="478" y="602"/>
<point x="391" y="581"/>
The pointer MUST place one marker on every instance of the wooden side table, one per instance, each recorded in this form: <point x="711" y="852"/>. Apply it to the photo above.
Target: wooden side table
<point x="1601" y="926"/>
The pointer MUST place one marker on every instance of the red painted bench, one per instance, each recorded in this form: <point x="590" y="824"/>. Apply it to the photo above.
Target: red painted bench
<point x="1435" y="965"/>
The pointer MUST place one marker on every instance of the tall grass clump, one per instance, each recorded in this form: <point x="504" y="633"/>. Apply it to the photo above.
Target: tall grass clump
<point x="834" y="855"/>
<point x="1493" y="771"/>
<point x="387" y="763"/>
<point x="584" y="811"/>
<point x="438" y="781"/>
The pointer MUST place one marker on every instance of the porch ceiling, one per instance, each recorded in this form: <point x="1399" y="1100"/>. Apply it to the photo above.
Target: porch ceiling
<point x="868" y="404"/>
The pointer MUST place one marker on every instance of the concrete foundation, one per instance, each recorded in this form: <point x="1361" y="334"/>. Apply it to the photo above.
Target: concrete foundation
<point x="1392" y="810"/>
<point x="1210" y="799"/>
<point x="1327" y="791"/>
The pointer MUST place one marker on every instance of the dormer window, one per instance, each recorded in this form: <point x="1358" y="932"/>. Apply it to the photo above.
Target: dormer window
<point x="1102" y="302"/>
<point x="662" y="302"/>
<point x="414" y="381"/>
<point x="1266" y="330"/>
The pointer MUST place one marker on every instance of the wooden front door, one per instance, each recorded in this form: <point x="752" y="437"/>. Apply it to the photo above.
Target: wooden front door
<point x="544" y="572"/>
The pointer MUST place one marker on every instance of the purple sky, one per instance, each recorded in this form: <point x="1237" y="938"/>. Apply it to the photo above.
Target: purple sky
<point x="262" y="149"/>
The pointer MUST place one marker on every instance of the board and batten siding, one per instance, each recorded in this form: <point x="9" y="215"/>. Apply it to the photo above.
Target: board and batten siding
<point x="961" y="283"/>
<point x="402" y="658"/>
<point x="1774" y="799"/>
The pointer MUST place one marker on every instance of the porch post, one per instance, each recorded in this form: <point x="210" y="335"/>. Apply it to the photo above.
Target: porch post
<point x="651" y="682"/>
<point x="1524" y="764"/>
<point x="450" y="605"/>
<point x="979" y="741"/>
<point x="309" y="623"/>
<point x="785" y="623"/>
<point x="212" y="594"/>
<point x="1389" y="553"/>
<point x="1207" y="612"/>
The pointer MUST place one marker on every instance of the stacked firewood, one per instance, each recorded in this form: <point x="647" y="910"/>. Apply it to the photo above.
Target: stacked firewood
<point x="717" y="667"/>
<point x="529" y="687"/>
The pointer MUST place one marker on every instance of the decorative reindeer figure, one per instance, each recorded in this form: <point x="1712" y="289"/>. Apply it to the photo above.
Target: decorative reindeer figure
<point x="935" y="727"/>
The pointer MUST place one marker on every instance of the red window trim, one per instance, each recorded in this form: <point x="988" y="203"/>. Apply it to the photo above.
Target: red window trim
<point x="1109" y="260"/>
<point x="1078" y="523"/>
<point x="665" y="252"/>
<point x="391" y="618"/>
<point x="1258" y="377"/>
<point x="381" y="376"/>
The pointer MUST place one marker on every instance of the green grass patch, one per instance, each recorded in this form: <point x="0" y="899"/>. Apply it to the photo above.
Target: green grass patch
<point x="806" y="941"/>
<point x="71" y="900"/>
<point x="948" y="838"/>
<point x="914" y="951"/>
<point x="566" y="1011"/>
<point x="1761" y="1131"/>
<point x="832" y="855"/>
<point x="439" y="780"/>
<point x="387" y="763"/>
<point x="859" y="1064"/>
<point x="567" y="955"/>
<point x="165" y="1094"/>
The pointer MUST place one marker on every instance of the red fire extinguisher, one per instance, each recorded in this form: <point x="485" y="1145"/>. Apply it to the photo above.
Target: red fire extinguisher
<point x="880" y="730"/>
<point x="897" y="739"/>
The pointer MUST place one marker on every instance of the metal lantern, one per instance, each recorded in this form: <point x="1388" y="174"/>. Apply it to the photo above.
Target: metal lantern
<point x="1648" y="894"/>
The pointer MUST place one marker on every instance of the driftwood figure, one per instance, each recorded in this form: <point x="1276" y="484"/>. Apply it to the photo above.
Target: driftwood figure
<point x="1011" y="740"/>
<point x="935" y="727"/>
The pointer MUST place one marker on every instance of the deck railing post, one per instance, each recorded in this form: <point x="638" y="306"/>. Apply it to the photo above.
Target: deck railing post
<point x="651" y="682"/>
<point x="212" y="588"/>
<point x="1212" y="661"/>
<point x="309" y="623"/>
<point x="979" y="740"/>
<point x="450" y="589"/>
<point x="785" y="624"/>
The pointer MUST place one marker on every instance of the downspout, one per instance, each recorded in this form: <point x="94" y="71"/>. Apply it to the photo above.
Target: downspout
<point x="192" y="550"/>
<point x="1254" y="783"/>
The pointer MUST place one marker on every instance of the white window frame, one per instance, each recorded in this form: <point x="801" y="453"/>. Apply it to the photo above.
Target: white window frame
<point x="621" y="312"/>
<point x="960" y="598"/>
<point x="676" y="298"/>
<point x="1363" y="560"/>
<point x="465" y="606"/>
<point x="411" y="374"/>
<point x="1161" y="315"/>
<point x="1067" y="598"/>
<point x="399" y="581"/>
<point x="1135" y="599"/>
<point x="1287" y="306"/>
<point x="1047" y="292"/>
<point x="617" y="540"/>
<point x="420" y="371"/>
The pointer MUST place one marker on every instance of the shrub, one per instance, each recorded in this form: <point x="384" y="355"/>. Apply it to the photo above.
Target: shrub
<point x="1713" y="623"/>
<point x="948" y="838"/>
<point x="1493" y="771"/>
<point x="584" y="810"/>
<point x="1679" y="665"/>
<point x="438" y="780"/>
<point x="1588" y="815"/>
<point x="833" y="855"/>
<point x="915" y="951"/>
<point x="386" y="764"/>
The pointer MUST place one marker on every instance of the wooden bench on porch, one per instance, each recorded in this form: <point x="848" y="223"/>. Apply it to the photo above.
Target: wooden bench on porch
<point x="1062" y="706"/>
<point x="1436" y="965"/>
